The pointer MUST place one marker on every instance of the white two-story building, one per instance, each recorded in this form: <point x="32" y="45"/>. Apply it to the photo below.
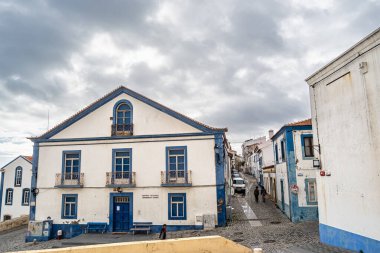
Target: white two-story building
<point x="345" y="106"/>
<point x="295" y="172"/>
<point x="124" y="159"/>
<point x="15" y="188"/>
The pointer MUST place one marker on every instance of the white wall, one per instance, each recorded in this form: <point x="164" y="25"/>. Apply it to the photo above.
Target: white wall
<point x="148" y="160"/>
<point x="348" y="128"/>
<point x="281" y="172"/>
<point x="16" y="209"/>
<point x="304" y="167"/>
<point x="146" y="120"/>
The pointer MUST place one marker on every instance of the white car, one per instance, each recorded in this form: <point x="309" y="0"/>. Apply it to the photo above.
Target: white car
<point x="239" y="185"/>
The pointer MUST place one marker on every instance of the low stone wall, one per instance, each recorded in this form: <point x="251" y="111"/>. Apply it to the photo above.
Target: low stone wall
<point x="17" y="222"/>
<point x="210" y="244"/>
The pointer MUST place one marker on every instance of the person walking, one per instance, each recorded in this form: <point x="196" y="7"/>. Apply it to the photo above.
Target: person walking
<point x="163" y="232"/>
<point x="256" y="193"/>
<point x="263" y="193"/>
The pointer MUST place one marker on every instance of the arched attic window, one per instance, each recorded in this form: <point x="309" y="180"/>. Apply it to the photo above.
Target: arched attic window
<point x="122" y="118"/>
<point x="18" y="176"/>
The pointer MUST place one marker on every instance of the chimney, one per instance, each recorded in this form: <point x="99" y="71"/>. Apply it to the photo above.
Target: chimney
<point x="270" y="134"/>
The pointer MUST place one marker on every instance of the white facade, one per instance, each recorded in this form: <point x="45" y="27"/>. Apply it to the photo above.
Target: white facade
<point x="15" y="188"/>
<point x="346" y="120"/>
<point x="295" y="174"/>
<point x="156" y="130"/>
<point x="248" y="148"/>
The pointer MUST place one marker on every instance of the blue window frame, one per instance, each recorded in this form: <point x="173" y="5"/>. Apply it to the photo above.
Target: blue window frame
<point x="123" y="113"/>
<point x="71" y="165"/>
<point x="122" y="162"/>
<point x="18" y="176"/>
<point x="69" y="206"/>
<point x="176" y="161"/>
<point x="307" y="146"/>
<point x="177" y="206"/>
<point x="25" y="198"/>
<point x="9" y="196"/>
<point x="311" y="191"/>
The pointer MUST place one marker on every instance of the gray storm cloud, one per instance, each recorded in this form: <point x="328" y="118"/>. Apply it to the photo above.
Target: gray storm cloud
<point x="235" y="64"/>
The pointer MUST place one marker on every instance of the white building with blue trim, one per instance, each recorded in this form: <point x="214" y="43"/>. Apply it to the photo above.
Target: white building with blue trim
<point x="15" y="181"/>
<point x="345" y="103"/>
<point x="295" y="175"/>
<point x="125" y="159"/>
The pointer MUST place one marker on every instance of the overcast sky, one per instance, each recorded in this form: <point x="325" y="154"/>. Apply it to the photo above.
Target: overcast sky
<point x="235" y="64"/>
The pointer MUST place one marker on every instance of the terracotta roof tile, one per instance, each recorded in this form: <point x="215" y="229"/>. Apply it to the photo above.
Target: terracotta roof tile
<point x="305" y="122"/>
<point x="29" y="158"/>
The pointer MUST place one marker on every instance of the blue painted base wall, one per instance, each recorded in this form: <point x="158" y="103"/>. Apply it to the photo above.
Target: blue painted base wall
<point x="344" y="239"/>
<point x="305" y="214"/>
<point x="73" y="230"/>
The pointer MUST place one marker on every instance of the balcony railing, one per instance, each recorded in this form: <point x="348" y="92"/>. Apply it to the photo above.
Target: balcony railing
<point x="69" y="180"/>
<point x="176" y="178"/>
<point x="120" y="179"/>
<point x="122" y="129"/>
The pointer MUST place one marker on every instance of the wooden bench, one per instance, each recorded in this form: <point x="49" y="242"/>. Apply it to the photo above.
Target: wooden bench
<point x="96" y="226"/>
<point x="141" y="226"/>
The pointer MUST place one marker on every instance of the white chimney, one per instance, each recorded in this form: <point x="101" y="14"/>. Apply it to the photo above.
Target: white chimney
<point x="270" y="134"/>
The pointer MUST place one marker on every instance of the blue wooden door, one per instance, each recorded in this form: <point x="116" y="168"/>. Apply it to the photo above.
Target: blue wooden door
<point x="121" y="222"/>
<point x="282" y="196"/>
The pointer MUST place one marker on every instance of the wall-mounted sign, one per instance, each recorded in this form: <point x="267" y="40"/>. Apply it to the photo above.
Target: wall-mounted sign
<point x="150" y="196"/>
<point x="300" y="174"/>
<point x="294" y="189"/>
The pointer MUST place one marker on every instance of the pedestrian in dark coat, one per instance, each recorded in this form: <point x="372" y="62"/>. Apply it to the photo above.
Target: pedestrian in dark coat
<point x="263" y="193"/>
<point x="256" y="193"/>
<point x="163" y="232"/>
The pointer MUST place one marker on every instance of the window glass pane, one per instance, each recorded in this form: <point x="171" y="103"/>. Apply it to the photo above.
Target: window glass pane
<point x="126" y="167"/>
<point x="67" y="209"/>
<point x="181" y="166"/>
<point x="174" y="210"/>
<point x="181" y="159"/>
<point x="177" y="152"/>
<point x="68" y="162"/>
<point x="120" y="154"/>
<point x="119" y="114"/>
<point x="172" y="166"/>
<point x="76" y="162"/>
<point x="180" y="210"/>
<point x="123" y="107"/>
<point x="119" y="168"/>
<point x="177" y="198"/>
<point x="126" y="160"/>
<point x="72" y="155"/>
<point x="119" y="161"/>
<point x="172" y="159"/>
<point x="70" y="199"/>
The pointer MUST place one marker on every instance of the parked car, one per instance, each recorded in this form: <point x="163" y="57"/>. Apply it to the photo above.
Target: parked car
<point x="239" y="185"/>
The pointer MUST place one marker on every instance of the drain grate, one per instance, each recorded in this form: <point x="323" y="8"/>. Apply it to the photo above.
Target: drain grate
<point x="269" y="241"/>
<point x="238" y="233"/>
<point x="275" y="222"/>
<point x="238" y="240"/>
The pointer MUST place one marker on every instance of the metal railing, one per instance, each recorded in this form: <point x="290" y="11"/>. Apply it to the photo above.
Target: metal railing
<point x="116" y="178"/>
<point x="69" y="179"/>
<point x="121" y="129"/>
<point x="176" y="177"/>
